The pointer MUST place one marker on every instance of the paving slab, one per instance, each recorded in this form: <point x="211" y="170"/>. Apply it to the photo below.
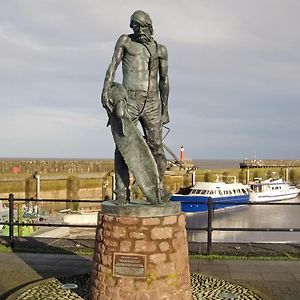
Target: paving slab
<point x="278" y="280"/>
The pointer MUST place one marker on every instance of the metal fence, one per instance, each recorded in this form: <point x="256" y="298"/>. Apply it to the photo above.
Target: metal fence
<point x="209" y="228"/>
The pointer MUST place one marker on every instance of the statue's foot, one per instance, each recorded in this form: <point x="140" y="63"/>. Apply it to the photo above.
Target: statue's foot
<point x="165" y="195"/>
<point x="121" y="201"/>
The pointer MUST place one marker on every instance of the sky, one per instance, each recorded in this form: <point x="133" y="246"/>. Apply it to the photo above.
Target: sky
<point x="234" y="71"/>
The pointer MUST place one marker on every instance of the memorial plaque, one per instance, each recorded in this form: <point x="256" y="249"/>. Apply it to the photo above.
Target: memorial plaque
<point x="132" y="265"/>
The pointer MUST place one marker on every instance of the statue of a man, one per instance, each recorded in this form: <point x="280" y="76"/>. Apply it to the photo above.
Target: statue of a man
<point x="145" y="77"/>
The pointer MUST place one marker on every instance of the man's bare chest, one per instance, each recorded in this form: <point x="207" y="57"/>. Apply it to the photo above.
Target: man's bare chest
<point x="140" y="51"/>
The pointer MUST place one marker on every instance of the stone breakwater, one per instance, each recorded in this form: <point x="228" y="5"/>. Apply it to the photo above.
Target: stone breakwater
<point x="162" y="241"/>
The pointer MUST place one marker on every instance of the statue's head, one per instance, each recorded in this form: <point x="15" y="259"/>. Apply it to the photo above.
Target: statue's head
<point x="141" y="24"/>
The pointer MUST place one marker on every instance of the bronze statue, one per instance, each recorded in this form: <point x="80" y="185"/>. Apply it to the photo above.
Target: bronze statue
<point x="142" y="97"/>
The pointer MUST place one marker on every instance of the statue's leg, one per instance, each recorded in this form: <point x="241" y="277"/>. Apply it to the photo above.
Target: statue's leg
<point x="152" y="127"/>
<point x="122" y="179"/>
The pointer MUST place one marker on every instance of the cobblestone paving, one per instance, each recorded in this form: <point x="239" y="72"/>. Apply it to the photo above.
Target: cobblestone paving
<point x="49" y="289"/>
<point x="203" y="288"/>
<point x="207" y="287"/>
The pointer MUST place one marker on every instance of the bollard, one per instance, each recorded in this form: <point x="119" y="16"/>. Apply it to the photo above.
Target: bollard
<point x="209" y="224"/>
<point x="20" y="218"/>
<point x="30" y="188"/>
<point x="72" y="192"/>
<point x="11" y="220"/>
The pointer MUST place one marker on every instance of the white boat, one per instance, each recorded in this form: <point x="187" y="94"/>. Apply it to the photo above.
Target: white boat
<point x="3" y="214"/>
<point x="223" y="195"/>
<point x="271" y="190"/>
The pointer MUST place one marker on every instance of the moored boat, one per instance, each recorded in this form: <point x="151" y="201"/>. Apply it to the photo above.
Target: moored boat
<point x="223" y="195"/>
<point x="271" y="190"/>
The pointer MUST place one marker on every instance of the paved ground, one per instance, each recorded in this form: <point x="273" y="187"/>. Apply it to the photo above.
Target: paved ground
<point x="279" y="280"/>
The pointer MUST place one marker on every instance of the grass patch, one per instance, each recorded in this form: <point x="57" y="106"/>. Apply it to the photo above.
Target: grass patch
<point x="47" y="250"/>
<point x="248" y="256"/>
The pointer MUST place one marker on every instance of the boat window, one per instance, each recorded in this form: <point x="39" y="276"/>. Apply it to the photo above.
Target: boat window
<point x="198" y="192"/>
<point x="244" y="191"/>
<point x="220" y="193"/>
<point x="211" y="192"/>
<point x="202" y="192"/>
<point x="193" y="191"/>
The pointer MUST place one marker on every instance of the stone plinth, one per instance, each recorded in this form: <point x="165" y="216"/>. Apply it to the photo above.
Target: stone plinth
<point x="140" y="256"/>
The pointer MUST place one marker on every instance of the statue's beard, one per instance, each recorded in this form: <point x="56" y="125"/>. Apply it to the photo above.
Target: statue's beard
<point x="143" y="38"/>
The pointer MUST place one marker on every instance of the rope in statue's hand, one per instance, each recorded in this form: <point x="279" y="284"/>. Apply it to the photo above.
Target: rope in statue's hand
<point x="168" y="130"/>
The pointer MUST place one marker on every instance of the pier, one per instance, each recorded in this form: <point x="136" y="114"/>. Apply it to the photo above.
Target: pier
<point x="253" y="163"/>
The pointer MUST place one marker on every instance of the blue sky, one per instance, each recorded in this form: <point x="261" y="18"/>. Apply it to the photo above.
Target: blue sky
<point x="234" y="70"/>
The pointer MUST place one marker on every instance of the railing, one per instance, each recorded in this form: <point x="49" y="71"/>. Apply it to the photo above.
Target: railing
<point x="209" y="228"/>
<point x="11" y="223"/>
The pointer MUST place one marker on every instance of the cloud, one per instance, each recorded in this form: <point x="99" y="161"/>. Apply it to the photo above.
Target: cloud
<point x="234" y="75"/>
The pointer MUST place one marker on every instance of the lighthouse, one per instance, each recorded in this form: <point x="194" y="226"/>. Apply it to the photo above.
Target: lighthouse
<point x="181" y="154"/>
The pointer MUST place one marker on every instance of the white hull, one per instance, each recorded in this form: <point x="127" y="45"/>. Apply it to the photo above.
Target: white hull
<point x="260" y="197"/>
<point x="272" y="190"/>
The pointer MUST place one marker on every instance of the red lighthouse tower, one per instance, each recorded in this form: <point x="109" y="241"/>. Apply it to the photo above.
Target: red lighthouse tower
<point x="181" y="154"/>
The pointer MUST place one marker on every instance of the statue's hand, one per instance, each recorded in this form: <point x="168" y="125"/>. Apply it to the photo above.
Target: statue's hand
<point x="106" y="103"/>
<point x="165" y="118"/>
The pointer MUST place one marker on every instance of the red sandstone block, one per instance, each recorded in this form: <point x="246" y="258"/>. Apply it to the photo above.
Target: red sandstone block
<point x="180" y="235"/>
<point x="145" y="246"/>
<point x="125" y="283"/>
<point x="165" y="269"/>
<point x="119" y="232"/>
<point x="158" y="284"/>
<point x="110" y="243"/>
<point x="111" y="282"/>
<point x="137" y="235"/>
<point x="151" y="272"/>
<point x="125" y="246"/>
<point x="164" y="246"/>
<point x="128" y="220"/>
<point x="179" y="240"/>
<point x="105" y="271"/>
<point x="107" y="233"/>
<point x="170" y="220"/>
<point x="143" y="228"/>
<point x="104" y="297"/>
<point x="160" y="233"/>
<point x="150" y="221"/>
<point x="181" y="220"/>
<point x="101" y="287"/>
<point x="184" y="293"/>
<point x="158" y="258"/>
<point x="108" y="218"/>
<point x="147" y="295"/>
<point x="171" y="282"/>
<point x="108" y="226"/>
<point x="125" y="295"/>
<point x="141" y="285"/>
<point x="107" y="259"/>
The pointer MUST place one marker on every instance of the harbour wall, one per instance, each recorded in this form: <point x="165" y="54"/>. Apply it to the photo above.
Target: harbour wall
<point x="99" y="186"/>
